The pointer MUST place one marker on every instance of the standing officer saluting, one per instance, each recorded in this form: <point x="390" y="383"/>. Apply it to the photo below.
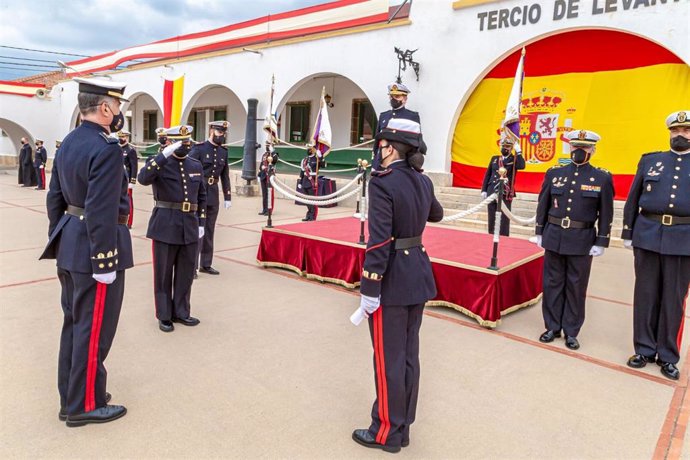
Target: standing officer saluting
<point x="87" y="208"/>
<point x="175" y="227"/>
<point x="40" y="164"/>
<point x="512" y="163"/>
<point x="656" y="224"/>
<point x="269" y="157"/>
<point x="397" y="93"/>
<point x="308" y="182"/>
<point x="572" y="200"/>
<point x="214" y="158"/>
<point x="397" y="281"/>
<point x="131" y="167"/>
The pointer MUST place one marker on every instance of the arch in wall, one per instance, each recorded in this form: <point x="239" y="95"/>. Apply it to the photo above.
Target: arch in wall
<point x="15" y="132"/>
<point x="143" y="116"/>
<point x="216" y="102"/>
<point x="630" y="84"/>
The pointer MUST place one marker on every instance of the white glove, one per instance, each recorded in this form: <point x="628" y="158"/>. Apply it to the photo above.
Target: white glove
<point x="596" y="251"/>
<point x="202" y="232"/>
<point x="536" y="239"/>
<point x="228" y="204"/>
<point x="130" y="186"/>
<point x="369" y="304"/>
<point x="358" y="316"/>
<point x="105" y="278"/>
<point x="171" y="148"/>
<point x="627" y="244"/>
<point x="299" y="186"/>
<point x="42" y="166"/>
<point x="484" y="195"/>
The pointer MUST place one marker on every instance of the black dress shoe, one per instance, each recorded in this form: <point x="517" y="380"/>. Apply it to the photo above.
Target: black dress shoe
<point x="191" y="321"/>
<point x="638" y="361"/>
<point x="101" y="415"/>
<point x="366" y="439"/>
<point x="405" y="443"/>
<point x="571" y="342"/>
<point x="669" y="370"/>
<point x="62" y="415"/>
<point x="209" y="270"/>
<point x="263" y="213"/>
<point x="166" y="326"/>
<point x="548" y="336"/>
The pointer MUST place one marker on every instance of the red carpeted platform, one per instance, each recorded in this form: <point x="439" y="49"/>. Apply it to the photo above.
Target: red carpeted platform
<point x="327" y="250"/>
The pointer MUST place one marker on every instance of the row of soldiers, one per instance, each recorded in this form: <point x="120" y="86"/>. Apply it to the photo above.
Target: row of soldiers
<point x="32" y="171"/>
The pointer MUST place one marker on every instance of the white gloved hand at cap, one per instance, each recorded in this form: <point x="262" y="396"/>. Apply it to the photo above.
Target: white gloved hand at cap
<point x="171" y="148"/>
<point x="596" y="251"/>
<point x="105" y="278"/>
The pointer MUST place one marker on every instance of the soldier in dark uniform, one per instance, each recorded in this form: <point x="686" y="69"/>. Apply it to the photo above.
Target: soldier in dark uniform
<point x="490" y="185"/>
<point x="398" y="98"/>
<point x="574" y="217"/>
<point x="656" y="225"/>
<point x="27" y="176"/>
<point x="308" y="180"/>
<point x="272" y="155"/>
<point x="175" y="227"/>
<point x="87" y="209"/>
<point x="214" y="158"/>
<point x="162" y="137"/>
<point x="397" y="281"/>
<point x="40" y="164"/>
<point x="131" y="160"/>
<point x="57" y="147"/>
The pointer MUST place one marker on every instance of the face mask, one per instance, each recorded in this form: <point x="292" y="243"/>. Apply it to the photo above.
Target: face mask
<point x="396" y="104"/>
<point x="117" y="123"/>
<point x="579" y="156"/>
<point x="218" y="140"/>
<point x="123" y="141"/>
<point x="680" y="144"/>
<point x="183" y="150"/>
<point x="162" y="140"/>
<point x="506" y="151"/>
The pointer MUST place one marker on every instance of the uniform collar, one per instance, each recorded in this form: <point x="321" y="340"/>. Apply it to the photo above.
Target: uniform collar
<point x="397" y="164"/>
<point x="92" y="125"/>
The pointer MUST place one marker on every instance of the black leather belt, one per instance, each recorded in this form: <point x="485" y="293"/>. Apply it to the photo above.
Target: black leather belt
<point x="666" y="219"/>
<point x="79" y="212"/>
<point x="569" y="223"/>
<point x="407" y="243"/>
<point x="184" y="207"/>
<point x="212" y="180"/>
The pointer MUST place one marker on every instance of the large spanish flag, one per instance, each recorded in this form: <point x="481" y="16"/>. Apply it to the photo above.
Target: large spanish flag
<point x="172" y="101"/>
<point x="619" y="85"/>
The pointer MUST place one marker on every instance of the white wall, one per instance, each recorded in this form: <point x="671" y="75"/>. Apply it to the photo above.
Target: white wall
<point x="138" y="106"/>
<point x="223" y="97"/>
<point x="453" y="52"/>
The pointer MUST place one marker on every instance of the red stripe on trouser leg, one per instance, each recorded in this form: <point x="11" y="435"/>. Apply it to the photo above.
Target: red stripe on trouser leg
<point x="92" y="361"/>
<point x="43" y="177"/>
<point x="382" y="387"/>
<point x="130" y="219"/>
<point x="679" y="337"/>
<point x="153" y="259"/>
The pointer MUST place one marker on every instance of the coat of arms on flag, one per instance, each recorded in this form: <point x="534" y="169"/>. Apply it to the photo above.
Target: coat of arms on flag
<point x="539" y="132"/>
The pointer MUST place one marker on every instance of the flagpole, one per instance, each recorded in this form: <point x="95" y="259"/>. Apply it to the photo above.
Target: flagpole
<point x="517" y="141"/>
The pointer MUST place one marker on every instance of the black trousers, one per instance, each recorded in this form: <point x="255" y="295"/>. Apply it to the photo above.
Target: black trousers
<point x="91" y="312"/>
<point x="565" y="291"/>
<point x="395" y="336"/>
<point x="40" y="177"/>
<point x="661" y="292"/>
<point x="505" y="222"/>
<point x="206" y="244"/>
<point x="311" y="209"/>
<point x="173" y="275"/>
<point x="264" y="194"/>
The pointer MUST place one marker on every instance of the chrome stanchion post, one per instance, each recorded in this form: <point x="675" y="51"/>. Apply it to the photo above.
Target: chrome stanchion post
<point x="497" y="222"/>
<point x="363" y="199"/>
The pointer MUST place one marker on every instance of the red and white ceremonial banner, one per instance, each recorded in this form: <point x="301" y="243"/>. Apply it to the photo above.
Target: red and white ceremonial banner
<point x="20" y="89"/>
<point x="336" y="15"/>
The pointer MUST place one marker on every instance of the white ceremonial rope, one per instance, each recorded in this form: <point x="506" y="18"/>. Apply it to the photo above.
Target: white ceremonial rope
<point x="312" y="202"/>
<point x="289" y="164"/>
<point x="235" y="162"/>
<point x="234" y="143"/>
<point x="353" y="146"/>
<point x="519" y="220"/>
<point x="472" y="210"/>
<point x="326" y="197"/>
<point x="497" y="226"/>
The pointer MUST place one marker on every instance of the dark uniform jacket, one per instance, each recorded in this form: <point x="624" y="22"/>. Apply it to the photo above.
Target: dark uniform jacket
<point x="175" y="181"/>
<point x="131" y="162"/>
<point x="384" y="118"/>
<point x="402" y="202"/>
<point x="264" y="163"/>
<point x="307" y="176"/>
<point x="214" y="160"/>
<point x="661" y="186"/>
<point x="27" y="174"/>
<point x="41" y="157"/>
<point x="583" y="194"/>
<point x="491" y="177"/>
<point x="88" y="174"/>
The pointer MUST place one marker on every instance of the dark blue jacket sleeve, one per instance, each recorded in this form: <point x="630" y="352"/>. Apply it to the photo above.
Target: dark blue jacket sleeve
<point x="380" y="238"/>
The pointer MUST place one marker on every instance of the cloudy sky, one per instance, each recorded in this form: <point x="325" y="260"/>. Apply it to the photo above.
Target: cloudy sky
<point x="89" y="27"/>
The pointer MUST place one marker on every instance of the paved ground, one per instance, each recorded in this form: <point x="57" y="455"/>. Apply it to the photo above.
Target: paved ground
<point x="275" y="370"/>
